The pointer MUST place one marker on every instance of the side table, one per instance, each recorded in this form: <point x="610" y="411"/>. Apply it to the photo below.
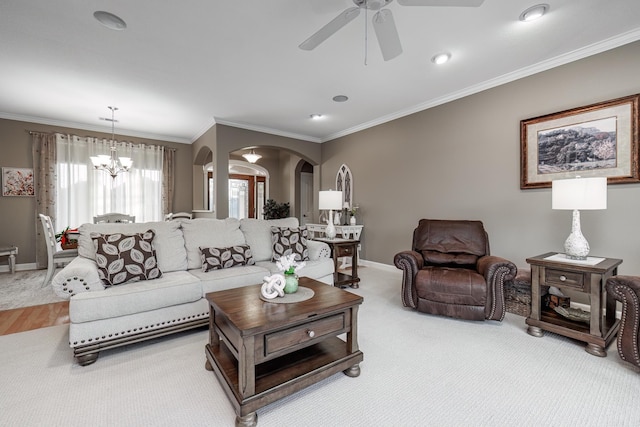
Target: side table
<point x="343" y="248"/>
<point x="588" y="277"/>
<point x="10" y="251"/>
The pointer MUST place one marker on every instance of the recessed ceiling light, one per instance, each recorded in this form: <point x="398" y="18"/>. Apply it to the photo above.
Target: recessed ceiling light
<point x="316" y="116"/>
<point x="441" y="58"/>
<point x="110" y="20"/>
<point x="340" y="98"/>
<point x="534" y="12"/>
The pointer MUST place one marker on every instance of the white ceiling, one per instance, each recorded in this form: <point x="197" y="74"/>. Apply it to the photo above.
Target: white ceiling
<point x="182" y="66"/>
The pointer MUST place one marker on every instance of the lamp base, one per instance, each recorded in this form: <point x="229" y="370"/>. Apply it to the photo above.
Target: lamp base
<point x="330" y="231"/>
<point x="576" y="246"/>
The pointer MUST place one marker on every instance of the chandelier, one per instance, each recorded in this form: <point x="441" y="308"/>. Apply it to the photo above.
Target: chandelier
<point x="252" y="157"/>
<point x="112" y="164"/>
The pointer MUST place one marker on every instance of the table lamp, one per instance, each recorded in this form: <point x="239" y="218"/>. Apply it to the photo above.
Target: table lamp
<point x="330" y="200"/>
<point x="578" y="194"/>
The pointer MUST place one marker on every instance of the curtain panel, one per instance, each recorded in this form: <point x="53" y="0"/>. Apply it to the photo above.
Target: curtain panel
<point x="83" y="192"/>
<point x="43" y="148"/>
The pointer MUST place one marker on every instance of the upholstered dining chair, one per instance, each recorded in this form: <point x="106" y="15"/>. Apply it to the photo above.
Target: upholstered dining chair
<point x="179" y="215"/>
<point x="55" y="257"/>
<point x="114" y="217"/>
<point x="450" y="272"/>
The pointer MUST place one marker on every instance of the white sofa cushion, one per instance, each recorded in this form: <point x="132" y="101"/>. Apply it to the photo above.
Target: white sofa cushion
<point x="228" y="278"/>
<point x="177" y="287"/>
<point x="168" y="241"/>
<point x="209" y="233"/>
<point x="257" y="233"/>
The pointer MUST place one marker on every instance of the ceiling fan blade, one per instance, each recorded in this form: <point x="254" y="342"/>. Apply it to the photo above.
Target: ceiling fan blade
<point x="331" y="28"/>
<point x="452" y="3"/>
<point x="387" y="34"/>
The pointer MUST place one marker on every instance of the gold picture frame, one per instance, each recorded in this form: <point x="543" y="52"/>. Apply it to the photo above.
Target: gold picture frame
<point x="596" y="140"/>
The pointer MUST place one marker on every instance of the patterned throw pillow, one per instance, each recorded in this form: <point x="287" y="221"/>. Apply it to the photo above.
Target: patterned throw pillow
<point x="125" y="258"/>
<point x="290" y="241"/>
<point x="218" y="258"/>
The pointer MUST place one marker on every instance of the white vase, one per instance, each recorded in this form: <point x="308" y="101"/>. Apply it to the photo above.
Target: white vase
<point x="352" y="221"/>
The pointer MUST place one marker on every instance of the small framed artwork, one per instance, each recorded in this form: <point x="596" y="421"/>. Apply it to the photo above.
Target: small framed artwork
<point x="595" y="140"/>
<point x="17" y="182"/>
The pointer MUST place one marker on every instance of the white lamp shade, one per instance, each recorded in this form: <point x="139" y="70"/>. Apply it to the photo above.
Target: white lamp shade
<point x="330" y="200"/>
<point x="579" y="193"/>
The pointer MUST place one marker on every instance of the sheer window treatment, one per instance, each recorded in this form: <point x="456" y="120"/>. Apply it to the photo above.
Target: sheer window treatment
<point x="83" y="192"/>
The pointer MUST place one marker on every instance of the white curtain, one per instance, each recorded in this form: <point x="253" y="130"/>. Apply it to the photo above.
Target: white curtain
<point x="83" y="192"/>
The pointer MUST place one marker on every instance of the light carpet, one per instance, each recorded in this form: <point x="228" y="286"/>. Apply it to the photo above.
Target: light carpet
<point x="24" y="289"/>
<point x="418" y="370"/>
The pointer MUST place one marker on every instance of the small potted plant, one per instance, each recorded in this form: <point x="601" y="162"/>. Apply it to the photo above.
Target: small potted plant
<point x="352" y="214"/>
<point x="288" y="264"/>
<point x="65" y="241"/>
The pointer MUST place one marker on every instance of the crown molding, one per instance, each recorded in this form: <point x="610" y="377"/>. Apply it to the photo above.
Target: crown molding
<point x="584" y="52"/>
<point x="269" y="130"/>
<point x="94" y="128"/>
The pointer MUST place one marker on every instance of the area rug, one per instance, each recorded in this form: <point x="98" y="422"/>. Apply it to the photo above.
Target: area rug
<point x="418" y="370"/>
<point x="24" y="289"/>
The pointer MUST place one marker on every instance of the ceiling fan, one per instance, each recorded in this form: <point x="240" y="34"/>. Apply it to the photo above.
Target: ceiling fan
<point x="383" y="23"/>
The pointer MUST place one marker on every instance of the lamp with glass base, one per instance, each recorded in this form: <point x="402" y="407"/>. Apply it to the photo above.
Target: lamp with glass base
<point x="330" y="200"/>
<point x="578" y="194"/>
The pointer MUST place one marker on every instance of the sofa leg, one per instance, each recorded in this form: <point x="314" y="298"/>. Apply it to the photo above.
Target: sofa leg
<point x="87" y="359"/>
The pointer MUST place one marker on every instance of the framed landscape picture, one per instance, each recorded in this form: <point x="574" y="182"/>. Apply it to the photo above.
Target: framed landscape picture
<point x="596" y="140"/>
<point x="17" y="182"/>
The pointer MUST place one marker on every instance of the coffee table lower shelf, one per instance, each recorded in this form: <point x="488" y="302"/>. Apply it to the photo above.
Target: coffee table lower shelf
<point x="283" y="376"/>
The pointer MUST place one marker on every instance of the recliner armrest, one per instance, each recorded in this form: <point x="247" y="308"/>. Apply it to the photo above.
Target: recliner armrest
<point x="496" y="272"/>
<point x="410" y="262"/>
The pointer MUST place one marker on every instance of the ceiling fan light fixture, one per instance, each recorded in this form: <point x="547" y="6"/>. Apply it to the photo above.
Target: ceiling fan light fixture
<point x="441" y="58"/>
<point x="110" y="20"/>
<point x="534" y="12"/>
<point x="340" y="98"/>
<point x="252" y="157"/>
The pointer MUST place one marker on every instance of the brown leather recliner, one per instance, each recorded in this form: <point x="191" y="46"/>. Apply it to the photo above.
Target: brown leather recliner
<point x="626" y="289"/>
<point x="450" y="272"/>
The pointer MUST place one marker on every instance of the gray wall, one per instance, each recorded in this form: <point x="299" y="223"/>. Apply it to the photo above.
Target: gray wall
<point x="18" y="214"/>
<point x="462" y="160"/>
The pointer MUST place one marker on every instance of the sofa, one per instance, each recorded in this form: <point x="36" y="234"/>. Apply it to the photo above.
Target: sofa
<point x="170" y="297"/>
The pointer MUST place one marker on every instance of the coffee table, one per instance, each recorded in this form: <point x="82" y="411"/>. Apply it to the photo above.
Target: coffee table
<point x="263" y="351"/>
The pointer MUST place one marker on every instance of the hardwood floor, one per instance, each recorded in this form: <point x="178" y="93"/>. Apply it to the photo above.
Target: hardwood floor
<point x="35" y="317"/>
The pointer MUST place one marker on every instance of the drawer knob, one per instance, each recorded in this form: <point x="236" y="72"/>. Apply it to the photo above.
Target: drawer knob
<point x="563" y="278"/>
<point x="311" y="333"/>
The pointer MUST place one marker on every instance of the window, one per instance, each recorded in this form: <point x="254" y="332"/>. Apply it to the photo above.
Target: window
<point x="83" y="192"/>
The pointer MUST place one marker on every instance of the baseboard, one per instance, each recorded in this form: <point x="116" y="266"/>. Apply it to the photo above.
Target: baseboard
<point x="19" y="267"/>
<point x="388" y="267"/>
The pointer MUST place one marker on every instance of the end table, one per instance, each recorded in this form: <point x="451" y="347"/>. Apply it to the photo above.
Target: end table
<point x="590" y="277"/>
<point x="343" y="248"/>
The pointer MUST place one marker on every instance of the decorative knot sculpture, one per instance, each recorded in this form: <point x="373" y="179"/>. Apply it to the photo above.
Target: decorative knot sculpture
<point x="273" y="286"/>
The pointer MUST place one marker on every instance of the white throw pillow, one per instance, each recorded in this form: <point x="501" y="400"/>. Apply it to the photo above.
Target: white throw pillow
<point x="257" y="233"/>
<point x="168" y="242"/>
<point x="209" y="233"/>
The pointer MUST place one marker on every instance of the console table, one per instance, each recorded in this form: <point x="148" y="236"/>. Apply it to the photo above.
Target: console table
<point x="11" y="252"/>
<point x="588" y="277"/>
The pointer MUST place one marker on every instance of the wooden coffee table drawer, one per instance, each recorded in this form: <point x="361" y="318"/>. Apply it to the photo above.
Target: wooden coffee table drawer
<point x="564" y="278"/>
<point x="298" y="337"/>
